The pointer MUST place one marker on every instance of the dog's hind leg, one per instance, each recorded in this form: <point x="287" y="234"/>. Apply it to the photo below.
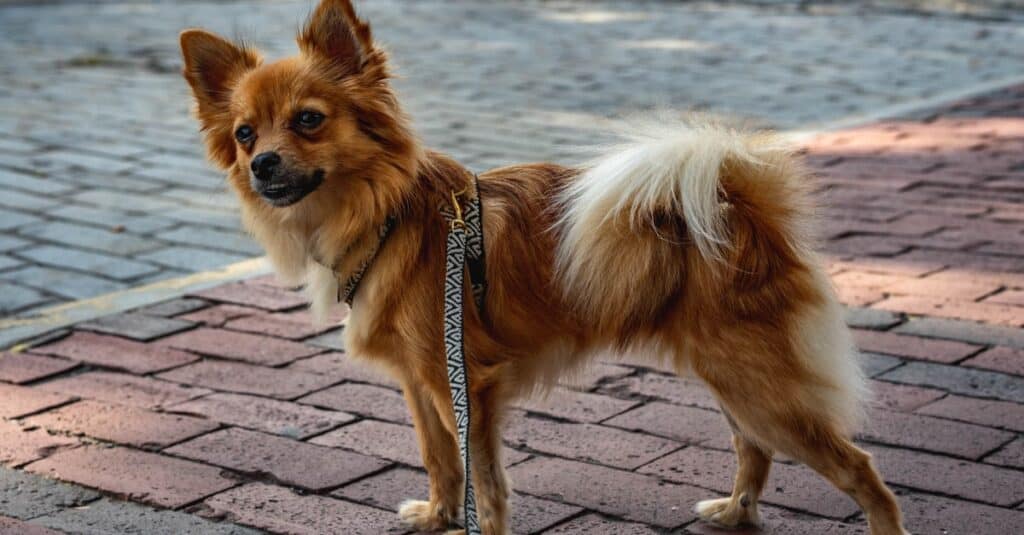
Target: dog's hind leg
<point x="741" y="507"/>
<point x="440" y="454"/>
<point x="850" y="469"/>
<point x="781" y="423"/>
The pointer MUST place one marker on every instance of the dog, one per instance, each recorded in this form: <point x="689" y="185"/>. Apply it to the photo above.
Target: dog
<point x="689" y="242"/>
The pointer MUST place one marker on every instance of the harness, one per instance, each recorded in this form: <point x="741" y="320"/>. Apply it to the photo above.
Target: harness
<point x="464" y="251"/>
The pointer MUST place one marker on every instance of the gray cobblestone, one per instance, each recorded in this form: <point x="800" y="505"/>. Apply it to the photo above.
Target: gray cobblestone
<point x="191" y="258"/>
<point x="66" y="284"/>
<point x="94" y="113"/>
<point x="75" y="259"/>
<point x="174" y="307"/>
<point x="212" y="239"/>
<point x="11" y="219"/>
<point x="83" y="236"/>
<point x="965" y="381"/>
<point x="15" y="297"/>
<point x="137" y="326"/>
<point x="31" y="184"/>
<point x="8" y="243"/>
<point x="9" y="262"/>
<point x="73" y="160"/>
<point x="964" y="331"/>
<point x="138" y="224"/>
<point x="25" y="201"/>
<point x="206" y="180"/>
<point x="26" y="496"/>
<point x="107" y="516"/>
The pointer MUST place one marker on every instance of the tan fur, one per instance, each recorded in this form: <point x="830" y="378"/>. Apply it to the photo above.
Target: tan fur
<point x="743" y="303"/>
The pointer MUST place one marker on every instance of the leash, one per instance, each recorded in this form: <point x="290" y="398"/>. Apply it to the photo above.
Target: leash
<point x="464" y="251"/>
<point x="465" y="235"/>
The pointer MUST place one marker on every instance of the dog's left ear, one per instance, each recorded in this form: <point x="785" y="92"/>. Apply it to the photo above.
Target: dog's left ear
<point x="336" y="34"/>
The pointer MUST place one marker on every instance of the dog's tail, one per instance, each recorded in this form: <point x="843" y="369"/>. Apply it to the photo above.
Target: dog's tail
<point x="696" y="170"/>
<point x="696" y="201"/>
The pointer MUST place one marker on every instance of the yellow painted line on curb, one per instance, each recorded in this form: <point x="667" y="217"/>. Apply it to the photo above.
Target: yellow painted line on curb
<point x="16" y="330"/>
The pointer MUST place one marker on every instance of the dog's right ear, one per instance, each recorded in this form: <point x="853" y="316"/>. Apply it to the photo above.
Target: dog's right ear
<point x="212" y="66"/>
<point x="335" y="33"/>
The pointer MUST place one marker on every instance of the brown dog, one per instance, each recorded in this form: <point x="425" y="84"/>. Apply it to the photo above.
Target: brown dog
<point x="689" y="242"/>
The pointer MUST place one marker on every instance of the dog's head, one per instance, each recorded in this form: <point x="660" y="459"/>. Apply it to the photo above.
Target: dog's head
<point x="318" y="132"/>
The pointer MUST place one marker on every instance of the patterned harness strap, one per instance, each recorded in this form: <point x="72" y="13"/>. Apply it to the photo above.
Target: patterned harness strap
<point x="464" y="249"/>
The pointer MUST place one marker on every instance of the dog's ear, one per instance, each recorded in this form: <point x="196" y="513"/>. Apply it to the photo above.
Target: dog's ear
<point x="212" y="66"/>
<point x="336" y="34"/>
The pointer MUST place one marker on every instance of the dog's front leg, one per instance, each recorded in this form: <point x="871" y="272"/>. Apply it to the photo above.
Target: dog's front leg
<point x="440" y="453"/>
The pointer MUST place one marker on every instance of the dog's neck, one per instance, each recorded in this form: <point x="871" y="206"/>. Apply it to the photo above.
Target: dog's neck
<point x="416" y="210"/>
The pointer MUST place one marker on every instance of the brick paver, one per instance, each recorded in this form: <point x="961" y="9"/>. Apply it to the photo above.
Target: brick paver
<point x="600" y="488"/>
<point x="116" y="352"/>
<point x="18" y="401"/>
<point x="248" y="379"/>
<point x="296" y="463"/>
<point x="227" y="403"/>
<point x="264" y="414"/>
<point x="122" y="424"/>
<point x="280" y="510"/>
<point x="24" y="367"/>
<point x="23" y="444"/>
<point x="146" y="477"/>
<point x="240" y="346"/>
<point x="121" y="388"/>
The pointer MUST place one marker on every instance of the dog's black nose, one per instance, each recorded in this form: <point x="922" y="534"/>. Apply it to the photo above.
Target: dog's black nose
<point x="263" y="165"/>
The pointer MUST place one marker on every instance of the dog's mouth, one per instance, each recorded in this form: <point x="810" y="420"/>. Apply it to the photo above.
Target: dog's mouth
<point x="286" y="193"/>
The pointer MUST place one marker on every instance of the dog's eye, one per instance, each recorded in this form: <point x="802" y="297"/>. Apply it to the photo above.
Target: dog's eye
<point x="309" y="119"/>
<point x="244" y="133"/>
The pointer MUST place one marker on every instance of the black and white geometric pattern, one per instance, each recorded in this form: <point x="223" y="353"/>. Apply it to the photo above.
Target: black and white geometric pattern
<point x="464" y="250"/>
<point x="458" y="376"/>
<point x="472" y="216"/>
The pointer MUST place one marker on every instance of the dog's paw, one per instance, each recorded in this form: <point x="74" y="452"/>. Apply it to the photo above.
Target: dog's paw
<point x="725" y="512"/>
<point x="424" y="516"/>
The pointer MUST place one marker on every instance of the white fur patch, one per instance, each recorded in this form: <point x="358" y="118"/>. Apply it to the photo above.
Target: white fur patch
<point x="321" y="290"/>
<point x="827" y="349"/>
<point x="660" y="166"/>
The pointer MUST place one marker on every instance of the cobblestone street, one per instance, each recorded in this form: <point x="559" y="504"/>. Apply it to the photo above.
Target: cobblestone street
<point x="104" y="183"/>
<point x="223" y="411"/>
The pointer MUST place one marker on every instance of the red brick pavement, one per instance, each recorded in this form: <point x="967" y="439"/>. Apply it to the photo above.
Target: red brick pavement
<point x="237" y="408"/>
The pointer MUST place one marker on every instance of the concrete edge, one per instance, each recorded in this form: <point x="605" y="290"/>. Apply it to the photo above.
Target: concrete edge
<point x="903" y="108"/>
<point x="16" y="330"/>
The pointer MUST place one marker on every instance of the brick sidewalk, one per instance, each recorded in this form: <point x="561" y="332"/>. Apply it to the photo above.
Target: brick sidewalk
<point x="228" y="405"/>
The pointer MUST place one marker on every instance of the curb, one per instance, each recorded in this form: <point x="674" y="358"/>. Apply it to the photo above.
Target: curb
<point x="15" y="330"/>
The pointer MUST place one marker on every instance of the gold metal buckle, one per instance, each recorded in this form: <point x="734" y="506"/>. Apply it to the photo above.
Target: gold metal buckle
<point x="458" y="221"/>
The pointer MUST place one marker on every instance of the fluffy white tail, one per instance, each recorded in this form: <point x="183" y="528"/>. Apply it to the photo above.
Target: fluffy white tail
<point x="698" y="201"/>
<point x="660" y="168"/>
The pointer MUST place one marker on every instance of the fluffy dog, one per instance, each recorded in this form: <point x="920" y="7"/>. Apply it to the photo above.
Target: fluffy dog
<point x="688" y="242"/>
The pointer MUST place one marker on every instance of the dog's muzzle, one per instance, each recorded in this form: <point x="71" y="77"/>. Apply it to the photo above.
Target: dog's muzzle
<point x="281" y="191"/>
